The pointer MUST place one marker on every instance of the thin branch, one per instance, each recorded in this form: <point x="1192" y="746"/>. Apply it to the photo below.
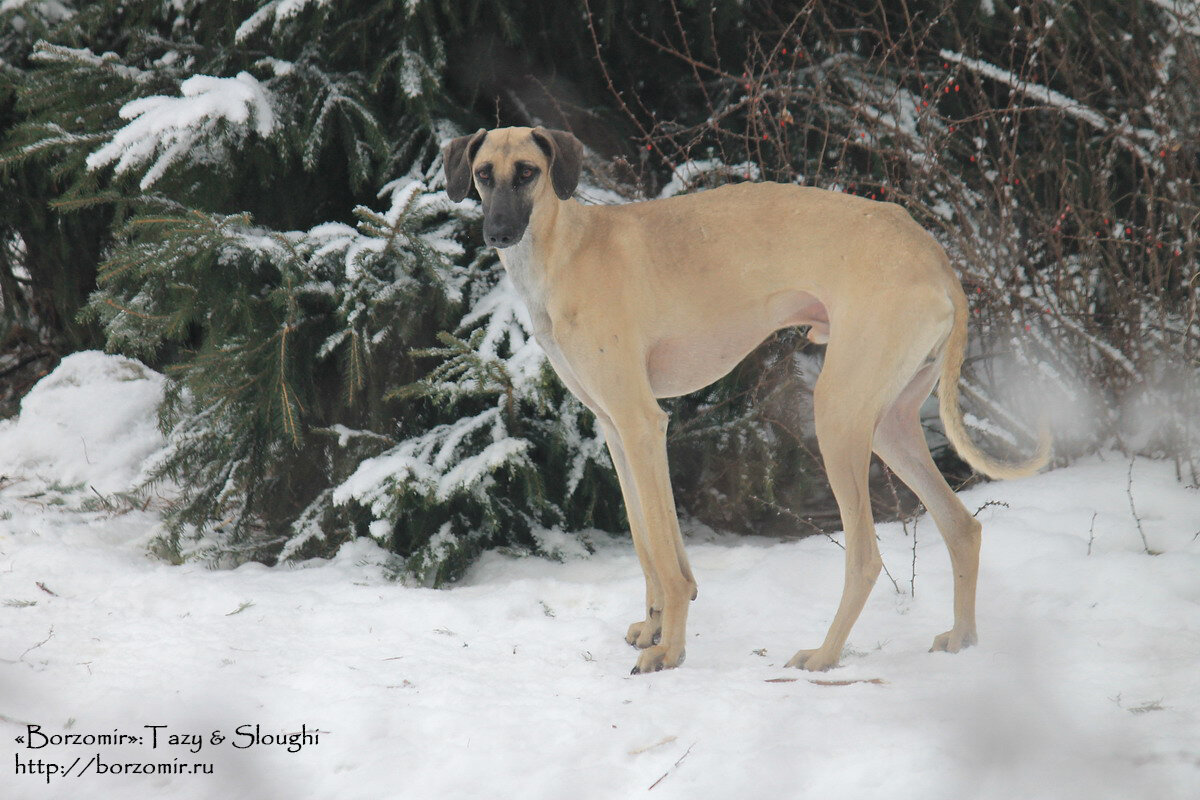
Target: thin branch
<point x="1133" y="509"/>
<point x="673" y="766"/>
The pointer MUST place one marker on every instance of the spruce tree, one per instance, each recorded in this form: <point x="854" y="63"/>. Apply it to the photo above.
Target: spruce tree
<point x="344" y="359"/>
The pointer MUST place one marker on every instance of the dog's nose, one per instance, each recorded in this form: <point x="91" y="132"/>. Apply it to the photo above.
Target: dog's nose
<point x="505" y="236"/>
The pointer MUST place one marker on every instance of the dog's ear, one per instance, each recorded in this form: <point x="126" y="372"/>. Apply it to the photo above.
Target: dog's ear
<point x="566" y="159"/>
<point x="457" y="156"/>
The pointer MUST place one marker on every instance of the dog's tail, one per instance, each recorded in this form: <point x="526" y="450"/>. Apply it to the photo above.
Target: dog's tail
<point x="952" y="418"/>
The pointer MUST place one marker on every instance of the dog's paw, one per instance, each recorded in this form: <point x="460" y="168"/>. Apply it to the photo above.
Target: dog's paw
<point x="813" y="660"/>
<point x="953" y="640"/>
<point x="657" y="658"/>
<point x="646" y="633"/>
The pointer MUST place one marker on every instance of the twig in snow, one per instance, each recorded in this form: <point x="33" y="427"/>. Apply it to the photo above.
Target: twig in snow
<point x="1133" y="509"/>
<point x="42" y="586"/>
<point x="912" y="581"/>
<point x="888" y="572"/>
<point x="649" y="747"/>
<point x="903" y="522"/>
<point x="103" y="500"/>
<point x="847" y="682"/>
<point x="246" y="604"/>
<point x="1092" y="532"/>
<point x="673" y="766"/>
<point x="990" y="503"/>
<point x="49" y="636"/>
<point x="827" y="682"/>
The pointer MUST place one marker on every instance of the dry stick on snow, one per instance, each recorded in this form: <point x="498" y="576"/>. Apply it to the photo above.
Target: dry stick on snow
<point x="30" y="649"/>
<point x="827" y="682"/>
<point x="673" y="766"/>
<point x="649" y="747"/>
<point x="887" y="472"/>
<point x="1133" y="509"/>
<point x="912" y="582"/>
<point x="1092" y="532"/>
<point x="990" y="503"/>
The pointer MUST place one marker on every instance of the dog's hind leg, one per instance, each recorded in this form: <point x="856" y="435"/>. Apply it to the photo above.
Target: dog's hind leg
<point x="846" y="404"/>
<point x="900" y="442"/>
<point x="871" y="358"/>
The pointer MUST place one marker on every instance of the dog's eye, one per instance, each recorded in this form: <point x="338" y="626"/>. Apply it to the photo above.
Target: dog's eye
<point x="525" y="174"/>
<point x="484" y="175"/>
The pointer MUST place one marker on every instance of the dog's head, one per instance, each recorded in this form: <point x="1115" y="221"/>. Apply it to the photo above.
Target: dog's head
<point x="512" y="169"/>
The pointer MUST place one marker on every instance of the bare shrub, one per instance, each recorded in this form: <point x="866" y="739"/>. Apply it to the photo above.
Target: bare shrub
<point x="1052" y="148"/>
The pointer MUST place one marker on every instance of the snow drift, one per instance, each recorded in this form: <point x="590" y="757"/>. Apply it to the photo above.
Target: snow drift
<point x="516" y="682"/>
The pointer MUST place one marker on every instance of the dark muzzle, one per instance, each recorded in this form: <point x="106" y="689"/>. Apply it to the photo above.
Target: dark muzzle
<point x="505" y="218"/>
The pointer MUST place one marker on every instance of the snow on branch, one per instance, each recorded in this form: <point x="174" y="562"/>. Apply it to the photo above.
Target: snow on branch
<point x="165" y="130"/>
<point x="46" y="53"/>
<point x="507" y="321"/>
<point x="436" y="464"/>
<point x="1043" y="94"/>
<point x="694" y="173"/>
<point x="1184" y="13"/>
<point x="275" y="12"/>
<point x="1049" y="97"/>
<point x="49" y="11"/>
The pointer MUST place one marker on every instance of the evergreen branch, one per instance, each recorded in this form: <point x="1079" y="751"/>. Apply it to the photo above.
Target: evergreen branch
<point x="47" y="53"/>
<point x="51" y="137"/>
<point x="130" y="311"/>
<point x="88" y="201"/>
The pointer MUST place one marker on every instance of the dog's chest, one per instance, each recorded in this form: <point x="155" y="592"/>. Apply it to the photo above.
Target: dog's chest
<point x="529" y="280"/>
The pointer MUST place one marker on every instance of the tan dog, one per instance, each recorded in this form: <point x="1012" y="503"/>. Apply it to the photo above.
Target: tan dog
<point x="657" y="299"/>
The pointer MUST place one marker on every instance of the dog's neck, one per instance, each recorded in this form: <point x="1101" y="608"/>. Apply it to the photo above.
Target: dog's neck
<point x="529" y="262"/>
<point x="529" y="279"/>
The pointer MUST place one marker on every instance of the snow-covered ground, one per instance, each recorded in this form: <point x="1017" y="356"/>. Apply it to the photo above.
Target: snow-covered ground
<point x="516" y="684"/>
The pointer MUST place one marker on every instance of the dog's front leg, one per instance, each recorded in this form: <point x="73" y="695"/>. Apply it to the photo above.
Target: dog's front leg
<point x="645" y="633"/>
<point x="642" y="432"/>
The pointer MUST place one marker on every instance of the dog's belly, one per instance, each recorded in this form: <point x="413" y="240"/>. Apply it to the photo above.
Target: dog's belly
<point x="684" y="363"/>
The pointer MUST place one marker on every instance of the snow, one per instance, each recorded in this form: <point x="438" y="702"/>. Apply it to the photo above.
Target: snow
<point x="1184" y="13"/>
<point x="691" y="175"/>
<point x="516" y="682"/>
<point x="1043" y="94"/>
<point x="1069" y="106"/>
<point x="49" y="11"/>
<point x="167" y="129"/>
<point x="276" y="11"/>
<point x="433" y="464"/>
<point x="92" y="422"/>
<point x="507" y="321"/>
